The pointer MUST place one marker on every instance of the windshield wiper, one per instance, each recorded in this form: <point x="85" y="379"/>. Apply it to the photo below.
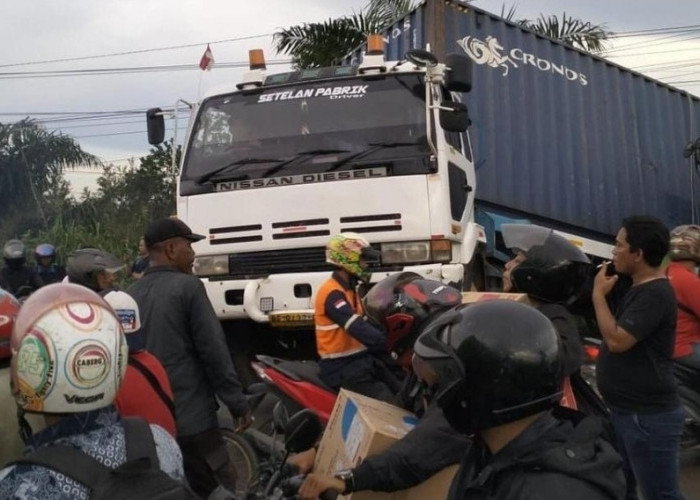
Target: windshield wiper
<point x="244" y="161"/>
<point x="310" y="152"/>
<point x="374" y="147"/>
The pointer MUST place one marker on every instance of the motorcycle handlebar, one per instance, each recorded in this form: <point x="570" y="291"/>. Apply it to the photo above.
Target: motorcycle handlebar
<point x="329" y="495"/>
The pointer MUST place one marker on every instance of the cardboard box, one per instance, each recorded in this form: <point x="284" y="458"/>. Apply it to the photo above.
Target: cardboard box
<point x="360" y="427"/>
<point x="471" y="297"/>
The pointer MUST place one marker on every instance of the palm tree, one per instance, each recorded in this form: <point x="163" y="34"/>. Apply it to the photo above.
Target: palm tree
<point x="574" y="32"/>
<point x="314" y="45"/>
<point x="32" y="160"/>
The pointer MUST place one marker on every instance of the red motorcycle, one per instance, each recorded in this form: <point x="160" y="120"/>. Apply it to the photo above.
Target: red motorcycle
<point x="403" y="304"/>
<point x="400" y="304"/>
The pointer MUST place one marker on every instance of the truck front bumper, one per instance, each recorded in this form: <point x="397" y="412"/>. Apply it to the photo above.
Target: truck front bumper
<point x="286" y="300"/>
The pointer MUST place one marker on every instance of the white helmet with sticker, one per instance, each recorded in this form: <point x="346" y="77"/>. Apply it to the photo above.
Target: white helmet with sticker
<point x="69" y="353"/>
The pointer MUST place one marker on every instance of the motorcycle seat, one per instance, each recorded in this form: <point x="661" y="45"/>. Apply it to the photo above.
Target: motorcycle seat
<point x="297" y="370"/>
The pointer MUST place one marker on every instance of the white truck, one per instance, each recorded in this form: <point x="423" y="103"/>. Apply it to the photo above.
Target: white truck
<point x="274" y="166"/>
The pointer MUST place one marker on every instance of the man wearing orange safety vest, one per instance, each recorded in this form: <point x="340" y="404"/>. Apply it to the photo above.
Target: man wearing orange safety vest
<point x="344" y="340"/>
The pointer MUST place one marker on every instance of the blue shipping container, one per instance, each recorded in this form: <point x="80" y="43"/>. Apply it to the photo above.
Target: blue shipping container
<point x="560" y="135"/>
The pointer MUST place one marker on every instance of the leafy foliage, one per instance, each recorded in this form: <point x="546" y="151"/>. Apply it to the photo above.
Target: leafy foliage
<point x="32" y="160"/>
<point x="114" y="217"/>
<point x="574" y="32"/>
<point x="314" y="45"/>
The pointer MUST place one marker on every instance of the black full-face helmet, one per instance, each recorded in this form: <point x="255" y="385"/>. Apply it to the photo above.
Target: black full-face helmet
<point x="402" y="304"/>
<point x="555" y="270"/>
<point x="492" y="363"/>
<point x="14" y="253"/>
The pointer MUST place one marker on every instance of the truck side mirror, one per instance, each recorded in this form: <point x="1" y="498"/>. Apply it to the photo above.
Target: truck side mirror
<point x="458" y="78"/>
<point x="454" y="116"/>
<point x="155" y="124"/>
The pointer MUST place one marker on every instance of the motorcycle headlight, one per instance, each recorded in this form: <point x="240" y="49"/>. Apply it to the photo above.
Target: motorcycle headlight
<point x="211" y="265"/>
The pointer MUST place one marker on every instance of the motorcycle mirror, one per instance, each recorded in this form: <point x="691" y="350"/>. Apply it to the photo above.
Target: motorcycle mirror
<point x="302" y="431"/>
<point x="280" y="417"/>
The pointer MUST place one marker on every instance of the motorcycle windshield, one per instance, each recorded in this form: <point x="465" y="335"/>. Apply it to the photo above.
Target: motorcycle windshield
<point x="523" y="237"/>
<point x="380" y="299"/>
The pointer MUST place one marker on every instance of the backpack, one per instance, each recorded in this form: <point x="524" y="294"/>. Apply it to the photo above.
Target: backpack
<point x="139" y="477"/>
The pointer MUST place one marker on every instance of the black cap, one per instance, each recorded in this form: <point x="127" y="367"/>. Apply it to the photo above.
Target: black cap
<point x="170" y="227"/>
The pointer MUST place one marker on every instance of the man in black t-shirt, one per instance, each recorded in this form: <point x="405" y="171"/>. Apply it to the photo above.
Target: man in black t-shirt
<point x="635" y="367"/>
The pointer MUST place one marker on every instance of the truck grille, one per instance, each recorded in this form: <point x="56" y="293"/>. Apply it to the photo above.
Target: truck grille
<point x="249" y="265"/>
<point x="293" y="260"/>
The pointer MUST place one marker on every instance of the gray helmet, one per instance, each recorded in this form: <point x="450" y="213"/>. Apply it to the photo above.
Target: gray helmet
<point x="14" y="250"/>
<point x="82" y="266"/>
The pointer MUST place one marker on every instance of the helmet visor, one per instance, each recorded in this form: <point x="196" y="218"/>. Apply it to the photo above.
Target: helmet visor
<point x="370" y="255"/>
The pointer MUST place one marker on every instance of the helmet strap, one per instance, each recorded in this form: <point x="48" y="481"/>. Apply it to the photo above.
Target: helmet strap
<point x="25" y="430"/>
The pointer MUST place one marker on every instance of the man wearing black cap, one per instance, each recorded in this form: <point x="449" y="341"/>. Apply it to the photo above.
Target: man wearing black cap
<point x="182" y="331"/>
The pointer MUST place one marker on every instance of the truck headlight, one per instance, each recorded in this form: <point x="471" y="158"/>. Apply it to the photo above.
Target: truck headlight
<point x="211" y="265"/>
<point x="413" y="252"/>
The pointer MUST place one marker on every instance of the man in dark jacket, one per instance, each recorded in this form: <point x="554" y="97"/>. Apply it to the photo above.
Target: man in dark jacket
<point x="183" y="332"/>
<point x="497" y="371"/>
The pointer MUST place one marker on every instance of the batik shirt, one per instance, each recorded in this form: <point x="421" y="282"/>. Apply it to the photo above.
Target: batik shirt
<point x="98" y="433"/>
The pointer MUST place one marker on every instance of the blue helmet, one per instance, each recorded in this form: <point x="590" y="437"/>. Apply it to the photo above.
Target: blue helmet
<point x="45" y="250"/>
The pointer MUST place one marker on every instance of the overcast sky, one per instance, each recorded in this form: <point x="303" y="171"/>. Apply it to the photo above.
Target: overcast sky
<point x="47" y="30"/>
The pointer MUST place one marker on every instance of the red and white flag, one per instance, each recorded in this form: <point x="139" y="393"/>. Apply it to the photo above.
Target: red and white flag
<point x="207" y="60"/>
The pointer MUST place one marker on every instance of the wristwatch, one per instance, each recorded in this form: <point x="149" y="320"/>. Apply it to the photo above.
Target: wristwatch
<point x="348" y="477"/>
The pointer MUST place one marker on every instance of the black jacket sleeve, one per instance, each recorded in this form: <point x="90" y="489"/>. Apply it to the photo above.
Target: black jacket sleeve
<point x="337" y="308"/>
<point x="431" y="446"/>
<point x="566" y="327"/>
<point x="210" y="343"/>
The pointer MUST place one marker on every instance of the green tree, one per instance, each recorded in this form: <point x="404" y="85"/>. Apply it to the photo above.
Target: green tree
<point x="574" y="32"/>
<point x="32" y="160"/>
<point x="313" y="45"/>
<point x="115" y="216"/>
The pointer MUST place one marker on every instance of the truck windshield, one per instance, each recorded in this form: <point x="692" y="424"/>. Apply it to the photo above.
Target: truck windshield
<point x="311" y="128"/>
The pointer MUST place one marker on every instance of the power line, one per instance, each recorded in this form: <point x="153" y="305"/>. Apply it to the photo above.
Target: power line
<point x="651" y="43"/>
<point x="644" y="54"/>
<point x="131" y="52"/>
<point x="126" y="70"/>
<point x="668" y="29"/>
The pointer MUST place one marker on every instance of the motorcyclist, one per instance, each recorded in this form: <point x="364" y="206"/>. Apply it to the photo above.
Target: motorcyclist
<point x="17" y="277"/>
<point x="685" y="257"/>
<point x="552" y="271"/>
<point x="93" y="268"/>
<point x="345" y="341"/>
<point x="402" y="304"/>
<point x="497" y="370"/>
<point x="46" y="266"/>
<point x="69" y="358"/>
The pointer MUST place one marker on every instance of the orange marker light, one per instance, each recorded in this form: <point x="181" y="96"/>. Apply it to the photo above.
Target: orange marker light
<point x="256" y="59"/>
<point x="375" y="45"/>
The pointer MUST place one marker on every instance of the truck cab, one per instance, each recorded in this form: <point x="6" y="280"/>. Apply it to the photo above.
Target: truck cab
<point x="275" y="165"/>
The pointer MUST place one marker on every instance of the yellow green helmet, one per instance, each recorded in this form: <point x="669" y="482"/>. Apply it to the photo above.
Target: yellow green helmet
<point x="348" y="250"/>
